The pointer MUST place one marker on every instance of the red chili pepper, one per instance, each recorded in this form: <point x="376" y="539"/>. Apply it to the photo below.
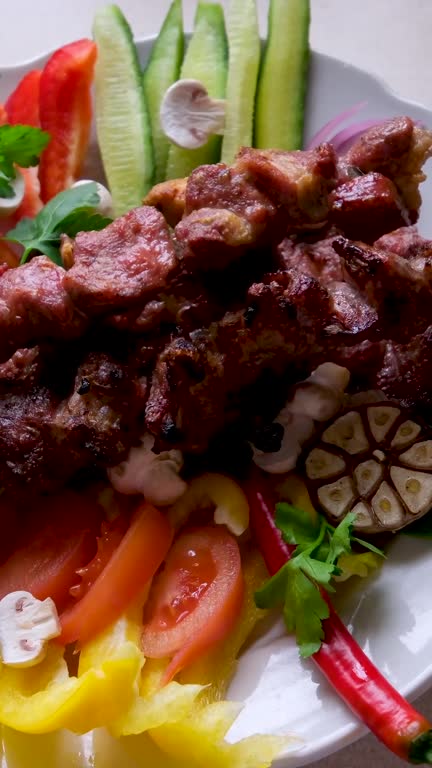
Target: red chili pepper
<point x="357" y="681"/>
<point x="66" y="113"/>
<point x="22" y="106"/>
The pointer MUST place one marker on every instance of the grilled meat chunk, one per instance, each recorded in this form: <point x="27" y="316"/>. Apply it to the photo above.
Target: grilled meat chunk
<point x="34" y="306"/>
<point x="124" y="264"/>
<point x="45" y="438"/>
<point x="299" y="182"/>
<point x="197" y="381"/>
<point x="397" y="149"/>
<point x="366" y="207"/>
<point x="211" y="238"/>
<point x="401" y="294"/>
<point x="406" y="373"/>
<point x="169" y="198"/>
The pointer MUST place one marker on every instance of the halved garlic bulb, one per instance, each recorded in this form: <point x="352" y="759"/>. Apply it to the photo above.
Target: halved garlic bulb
<point x="375" y="460"/>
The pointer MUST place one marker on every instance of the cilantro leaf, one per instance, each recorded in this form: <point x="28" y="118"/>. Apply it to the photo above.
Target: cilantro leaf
<point x="296" y="525"/>
<point x="318" y="571"/>
<point x="340" y="541"/>
<point x="6" y="188"/>
<point x="299" y="585"/>
<point x="304" y="611"/>
<point x="20" y="145"/>
<point x="67" y="213"/>
<point x="272" y="593"/>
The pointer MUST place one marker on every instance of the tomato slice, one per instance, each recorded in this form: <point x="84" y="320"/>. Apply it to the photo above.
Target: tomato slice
<point x="132" y="566"/>
<point x="59" y="536"/>
<point x="107" y="542"/>
<point x="196" y="600"/>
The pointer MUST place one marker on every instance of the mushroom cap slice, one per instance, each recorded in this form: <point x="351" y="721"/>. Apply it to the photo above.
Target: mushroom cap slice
<point x="374" y="460"/>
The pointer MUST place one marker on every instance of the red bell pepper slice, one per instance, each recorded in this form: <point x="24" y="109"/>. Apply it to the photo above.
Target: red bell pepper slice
<point x="66" y="113"/>
<point x="358" y="682"/>
<point x="22" y="106"/>
<point x="3" y="115"/>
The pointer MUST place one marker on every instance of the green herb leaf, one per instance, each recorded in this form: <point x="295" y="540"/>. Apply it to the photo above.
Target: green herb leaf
<point x="304" y="611"/>
<point x="20" y="145"/>
<point x="68" y="213"/>
<point x="6" y="188"/>
<point x="300" y="582"/>
<point x="340" y="541"/>
<point x="296" y="525"/>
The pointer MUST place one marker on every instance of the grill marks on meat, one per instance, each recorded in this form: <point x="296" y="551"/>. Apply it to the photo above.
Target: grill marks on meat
<point x="197" y="380"/>
<point x="299" y="182"/>
<point x="400" y="294"/>
<point x="34" y="305"/>
<point x="46" y="438"/>
<point x="128" y="262"/>
<point x="366" y="207"/>
<point x="397" y="149"/>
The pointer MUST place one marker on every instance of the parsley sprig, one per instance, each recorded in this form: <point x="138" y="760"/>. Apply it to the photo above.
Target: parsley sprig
<point x="68" y="213"/>
<point x="299" y="584"/>
<point x="19" y="145"/>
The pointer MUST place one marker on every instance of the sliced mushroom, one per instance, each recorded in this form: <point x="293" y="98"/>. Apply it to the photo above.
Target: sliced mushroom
<point x="189" y="116"/>
<point x="375" y="460"/>
<point x="155" y="475"/>
<point x="26" y="625"/>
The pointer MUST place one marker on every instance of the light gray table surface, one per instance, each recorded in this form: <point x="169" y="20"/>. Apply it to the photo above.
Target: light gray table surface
<point x="390" y="38"/>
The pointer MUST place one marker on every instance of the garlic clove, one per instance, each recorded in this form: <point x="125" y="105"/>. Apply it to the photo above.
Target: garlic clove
<point x="367" y="476"/>
<point x="336" y="498"/>
<point x="381" y="418"/>
<point x="322" y="464"/>
<point x="363" y="515"/>
<point x="347" y="432"/>
<point x="406" y="434"/>
<point x="387" y="507"/>
<point x="189" y="116"/>
<point x="26" y="625"/>
<point x="419" y="455"/>
<point x="414" y="488"/>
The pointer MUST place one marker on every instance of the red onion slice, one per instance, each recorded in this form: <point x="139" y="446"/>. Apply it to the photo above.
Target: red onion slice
<point x="325" y="133"/>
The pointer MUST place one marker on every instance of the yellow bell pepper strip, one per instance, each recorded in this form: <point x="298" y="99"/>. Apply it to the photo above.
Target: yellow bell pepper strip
<point x="212" y="489"/>
<point x="207" y="678"/>
<point x="198" y="741"/>
<point x="45" y="698"/>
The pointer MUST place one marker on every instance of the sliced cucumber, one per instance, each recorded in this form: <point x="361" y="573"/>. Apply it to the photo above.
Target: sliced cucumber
<point x="280" y="106"/>
<point x="162" y="70"/>
<point x="122" y="121"/>
<point x="244" y="59"/>
<point x="205" y="60"/>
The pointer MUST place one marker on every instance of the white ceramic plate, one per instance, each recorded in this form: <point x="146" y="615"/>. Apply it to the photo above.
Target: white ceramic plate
<point x="390" y="615"/>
